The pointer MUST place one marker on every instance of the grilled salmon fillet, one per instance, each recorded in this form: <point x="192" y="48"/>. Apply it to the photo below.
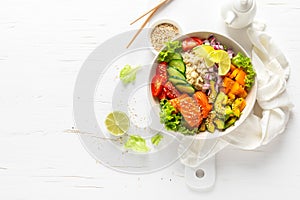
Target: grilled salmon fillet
<point x="190" y="111"/>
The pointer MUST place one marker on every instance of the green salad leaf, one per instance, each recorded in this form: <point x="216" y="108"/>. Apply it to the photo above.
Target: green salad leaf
<point x="185" y="131"/>
<point x="156" y="139"/>
<point x="167" y="54"/>
<point x="128" y="74"/>
<point x="168" y="117"/>
<point x="244" y="62"/>
<point x="136" y="143"/>
<point x="173" y="121"/>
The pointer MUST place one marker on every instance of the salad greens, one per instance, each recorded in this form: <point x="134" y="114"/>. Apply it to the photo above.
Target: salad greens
<point x="136" y="143"/>
<point x="167" y="54"/>
<point x="244" y="62"/>
<point x="173" y="121"/>
<point x="155" y="140"/>
<point x="128" y="73"/>
<point x="168" y="117"/>
<point x="185" y="131"/>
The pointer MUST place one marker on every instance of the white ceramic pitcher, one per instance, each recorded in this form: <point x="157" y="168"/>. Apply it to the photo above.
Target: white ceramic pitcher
<point x="239" y="13"/>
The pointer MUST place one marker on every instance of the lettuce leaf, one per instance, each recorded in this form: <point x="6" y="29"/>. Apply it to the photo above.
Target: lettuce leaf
<point x="136" y="143"/>
<point x="168" y="117"/>
<point x="156" y="139"/>
<point x="167" y="54"/>
<point x="128" y="74"/>
<point x="174" y="121"/>
<point x="185" y="131"/>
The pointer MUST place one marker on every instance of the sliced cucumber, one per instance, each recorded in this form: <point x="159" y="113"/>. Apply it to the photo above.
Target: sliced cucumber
<point x="174" y="72"/>
<point x="185" y="88"/>
<point x="177" y="56"/>
<point x="178" y="64"/>
<point x="175" y="80"/>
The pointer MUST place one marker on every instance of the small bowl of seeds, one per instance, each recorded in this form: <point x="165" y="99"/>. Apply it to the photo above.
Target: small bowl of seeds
<point x="163" y="31"/>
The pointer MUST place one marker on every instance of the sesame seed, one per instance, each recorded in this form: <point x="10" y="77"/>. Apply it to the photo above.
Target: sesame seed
<point x="163" y="33"/>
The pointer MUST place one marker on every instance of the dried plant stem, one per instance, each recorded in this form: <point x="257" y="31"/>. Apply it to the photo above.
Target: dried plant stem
<point x="157" y="6"/>
<point x="141" y="28"/>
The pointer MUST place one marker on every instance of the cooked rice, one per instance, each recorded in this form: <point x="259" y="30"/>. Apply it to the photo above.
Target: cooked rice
<point x="195" y="69"/>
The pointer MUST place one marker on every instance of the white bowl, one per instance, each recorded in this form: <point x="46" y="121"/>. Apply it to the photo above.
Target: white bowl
<point x="158" y="22"/>
<point x="250" y="99"/>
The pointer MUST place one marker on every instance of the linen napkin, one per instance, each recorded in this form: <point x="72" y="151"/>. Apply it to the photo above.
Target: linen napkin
<point x="272" y="70"/>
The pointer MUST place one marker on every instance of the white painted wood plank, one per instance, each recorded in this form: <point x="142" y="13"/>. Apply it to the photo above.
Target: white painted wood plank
<point x="42" y="47"/>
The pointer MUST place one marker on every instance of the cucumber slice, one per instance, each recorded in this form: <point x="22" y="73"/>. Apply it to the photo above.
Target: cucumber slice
<point x="177" y="56"/>
<point x="185" y="88"/>
<point x="178" y="64"/>
<point x="175" y="80"/>
<point x="174" y="72"/>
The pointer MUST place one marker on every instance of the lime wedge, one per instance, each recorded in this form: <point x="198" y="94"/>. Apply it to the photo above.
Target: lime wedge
<point x="203" y="51"/>
<point x="222" y="58"/>
<point x="117" y="123"/>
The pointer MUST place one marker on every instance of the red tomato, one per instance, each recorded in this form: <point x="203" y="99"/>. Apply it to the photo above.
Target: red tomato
<point x="157" y="85"/>
<point x="170" y="91"/>
<point x="162" y="95"/>
<point x="198" y="40"/>
<point x="190" y="43"/>
<point x="161" y="69"/>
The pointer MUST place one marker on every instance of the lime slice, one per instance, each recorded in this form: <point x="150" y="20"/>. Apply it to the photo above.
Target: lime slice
<point x="117" y="123"/>
<point x="222" y="58"/>
<point x="203" y="51"/>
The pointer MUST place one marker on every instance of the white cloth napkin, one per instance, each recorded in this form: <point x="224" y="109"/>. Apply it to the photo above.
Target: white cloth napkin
<point x="272" y="70"/>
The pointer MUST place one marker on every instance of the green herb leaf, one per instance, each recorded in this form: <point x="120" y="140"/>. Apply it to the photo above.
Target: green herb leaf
<point x="156" y="139"/>
<point x="136" y="143"/>
<point x="128" y="74"/>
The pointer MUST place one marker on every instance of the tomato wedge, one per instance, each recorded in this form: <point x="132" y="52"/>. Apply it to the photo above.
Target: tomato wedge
<point x="170" y="91"/>
<point x="198" y="40"/>
<point x="161" y="69"/>
<point x="190" y="43"/>
<point x="162" y="95"/>
<point x="157" y="84"/>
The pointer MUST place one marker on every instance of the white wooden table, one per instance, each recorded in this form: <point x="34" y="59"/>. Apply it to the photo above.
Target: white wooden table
<point x="42" y="47"/>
